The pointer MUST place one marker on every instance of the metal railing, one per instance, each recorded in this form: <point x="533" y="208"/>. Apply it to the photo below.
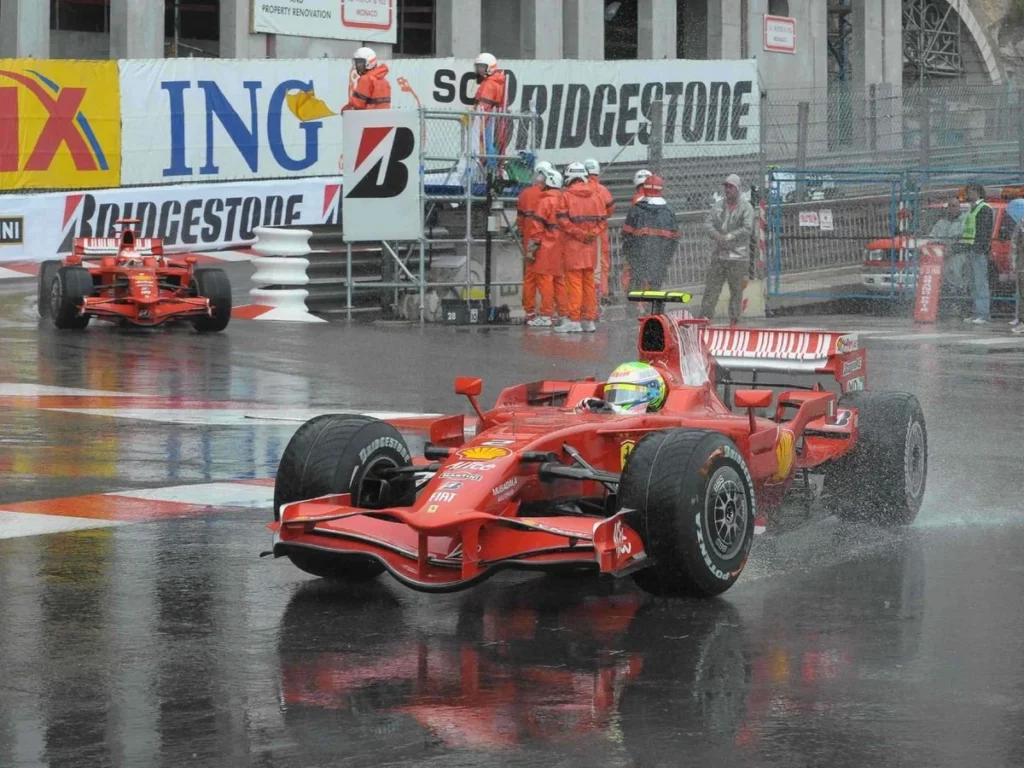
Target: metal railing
<point x="466" y="179"/>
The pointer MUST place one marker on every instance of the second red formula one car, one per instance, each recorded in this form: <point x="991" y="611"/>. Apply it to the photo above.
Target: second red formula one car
<point x="128" y="278"/>
<point x="558" y="476"/>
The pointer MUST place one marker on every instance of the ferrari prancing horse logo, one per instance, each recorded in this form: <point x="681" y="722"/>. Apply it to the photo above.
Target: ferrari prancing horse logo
<point x="625" y="449"/>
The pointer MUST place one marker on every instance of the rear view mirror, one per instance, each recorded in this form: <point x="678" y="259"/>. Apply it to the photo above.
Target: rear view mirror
<point x="753" y="398"/>
<point x="470" y="386"/>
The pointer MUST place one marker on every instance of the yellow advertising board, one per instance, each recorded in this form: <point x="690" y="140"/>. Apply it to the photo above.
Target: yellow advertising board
<point x="60" y="124"/>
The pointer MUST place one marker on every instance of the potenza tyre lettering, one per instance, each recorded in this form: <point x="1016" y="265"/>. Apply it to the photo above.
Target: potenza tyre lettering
<point x="384" y="442"/>
<point x="729" y="453"/>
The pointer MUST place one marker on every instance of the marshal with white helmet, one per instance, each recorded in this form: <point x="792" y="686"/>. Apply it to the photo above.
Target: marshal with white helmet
<point x="552" y="178"/>
<point x="576" y="171"/>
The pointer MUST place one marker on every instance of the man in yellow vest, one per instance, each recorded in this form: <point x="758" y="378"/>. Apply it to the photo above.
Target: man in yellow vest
<point x="975" y="243"/>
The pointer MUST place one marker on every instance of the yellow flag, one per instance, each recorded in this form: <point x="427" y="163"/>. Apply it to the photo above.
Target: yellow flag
<point x="306" y="106"/>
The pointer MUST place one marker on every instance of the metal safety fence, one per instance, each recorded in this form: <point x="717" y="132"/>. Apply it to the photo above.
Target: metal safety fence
<point x="847" y="180"/>
<point x="472" y="167"/>
<point x="860" y="237"/>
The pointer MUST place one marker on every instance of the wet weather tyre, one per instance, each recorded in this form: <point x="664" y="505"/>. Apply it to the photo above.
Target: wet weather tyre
<point x="883" y="479"/>
<point x="47" y="273"/>
<point x="339" y="454"/>
<point x="212" y="284"/>
<point x="70" y="287"/>
<point x="693" y="506"/>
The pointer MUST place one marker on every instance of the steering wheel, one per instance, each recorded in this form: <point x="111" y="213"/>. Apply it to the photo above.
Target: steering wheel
<point x="594" y="405"/>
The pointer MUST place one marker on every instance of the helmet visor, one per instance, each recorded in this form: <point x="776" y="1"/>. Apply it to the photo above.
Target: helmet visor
<point x="626" y="394"/>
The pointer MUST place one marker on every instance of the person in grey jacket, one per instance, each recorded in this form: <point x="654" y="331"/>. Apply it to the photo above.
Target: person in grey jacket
<point x="729" y="226"/>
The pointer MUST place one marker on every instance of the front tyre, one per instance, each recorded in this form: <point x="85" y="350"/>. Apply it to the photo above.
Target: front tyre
<point x="212" y="284"/>
<point x="334" y="454"/>
<point x="70" y="288"/>
<point x="883" y="479"/>
<point x="47" y="274"/>
<point x="693" y="506"/>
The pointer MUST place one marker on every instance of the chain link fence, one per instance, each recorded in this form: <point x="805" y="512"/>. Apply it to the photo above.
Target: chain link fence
<point x="848" y="169"/>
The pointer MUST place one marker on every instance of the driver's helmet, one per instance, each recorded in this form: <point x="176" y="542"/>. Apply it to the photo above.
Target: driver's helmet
<point x="635" y="388"/>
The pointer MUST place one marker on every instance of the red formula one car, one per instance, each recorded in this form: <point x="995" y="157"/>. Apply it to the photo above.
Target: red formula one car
<point x="128" y="278"/>
<point x="553" y="480"/>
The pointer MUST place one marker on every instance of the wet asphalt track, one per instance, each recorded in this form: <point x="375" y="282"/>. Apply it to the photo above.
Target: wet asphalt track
<point x="168" y="642"/>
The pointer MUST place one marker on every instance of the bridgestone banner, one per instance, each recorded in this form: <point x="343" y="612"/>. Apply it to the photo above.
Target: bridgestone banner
<point x="215" y="119"/>
<point x="195" y="217"/>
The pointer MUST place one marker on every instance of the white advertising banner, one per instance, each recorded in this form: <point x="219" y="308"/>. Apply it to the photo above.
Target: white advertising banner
<point x="216" y="120"/>
<point x="193" y="217"/>
<point x="369" y="21"/>
<point x="382" y="189"/>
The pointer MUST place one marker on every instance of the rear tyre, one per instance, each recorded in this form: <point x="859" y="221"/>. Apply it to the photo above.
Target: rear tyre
<point x="47" y="273"/>
<point x="883" y="479"/>
<point x="340" y="454"/>
<point x="212" y="284"/>
<point x="694" y="505"/>
<point x="70" y="288"/>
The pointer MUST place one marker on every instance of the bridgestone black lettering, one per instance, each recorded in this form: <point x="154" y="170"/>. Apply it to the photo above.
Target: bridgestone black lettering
<point x="696" y="112"/>
<point x="194" y="222"/>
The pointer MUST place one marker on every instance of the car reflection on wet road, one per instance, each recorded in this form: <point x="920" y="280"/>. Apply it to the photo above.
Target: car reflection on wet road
<point x="140" y="626"/>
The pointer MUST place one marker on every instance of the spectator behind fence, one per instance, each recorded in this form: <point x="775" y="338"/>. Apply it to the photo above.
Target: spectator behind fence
<point x="649" y="237"/>
<point x="729" y="225"/>
<point x="947" y="231"/>
<point x="975" y="243"/>
<point x="1017" y="257"/>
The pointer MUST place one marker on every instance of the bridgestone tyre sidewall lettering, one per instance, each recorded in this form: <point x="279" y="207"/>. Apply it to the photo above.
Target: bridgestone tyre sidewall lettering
<point x="666" y="480"/>
<point x="322" y="458"/>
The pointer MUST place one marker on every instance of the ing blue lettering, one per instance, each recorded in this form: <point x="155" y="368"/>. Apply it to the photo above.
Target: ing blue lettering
<point x="176" y="91"/>
<point x="276" y="140"/>
<point x="247" y="140"/>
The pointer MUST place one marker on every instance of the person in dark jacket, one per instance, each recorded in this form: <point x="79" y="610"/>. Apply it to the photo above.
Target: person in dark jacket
<point x="649" y="238"/>
<point x="975" y="243"/>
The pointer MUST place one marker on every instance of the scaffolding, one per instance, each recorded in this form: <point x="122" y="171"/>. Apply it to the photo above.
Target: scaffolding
<point x="931" y="41"/>
<point x="840" y="30"/>
<point x="473" y="165"/>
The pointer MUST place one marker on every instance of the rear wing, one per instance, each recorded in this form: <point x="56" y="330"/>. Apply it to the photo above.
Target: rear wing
<point x="692" y="341"/>
<point x="95" y="247"/>
<point x="790" y="351"/>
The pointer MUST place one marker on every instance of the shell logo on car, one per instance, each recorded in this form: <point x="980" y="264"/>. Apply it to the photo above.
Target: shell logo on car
<point x="484" y="453"/>
<point x="784" y="453"/>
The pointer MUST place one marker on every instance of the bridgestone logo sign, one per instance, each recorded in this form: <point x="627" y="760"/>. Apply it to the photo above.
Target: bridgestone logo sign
<point x="194" y="217"/>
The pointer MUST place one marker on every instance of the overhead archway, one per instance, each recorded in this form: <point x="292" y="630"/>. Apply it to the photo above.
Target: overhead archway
<point x="943" y="39"/>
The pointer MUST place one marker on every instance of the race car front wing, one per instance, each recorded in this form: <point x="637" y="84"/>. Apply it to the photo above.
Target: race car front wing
<point x="446" y="551"/>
